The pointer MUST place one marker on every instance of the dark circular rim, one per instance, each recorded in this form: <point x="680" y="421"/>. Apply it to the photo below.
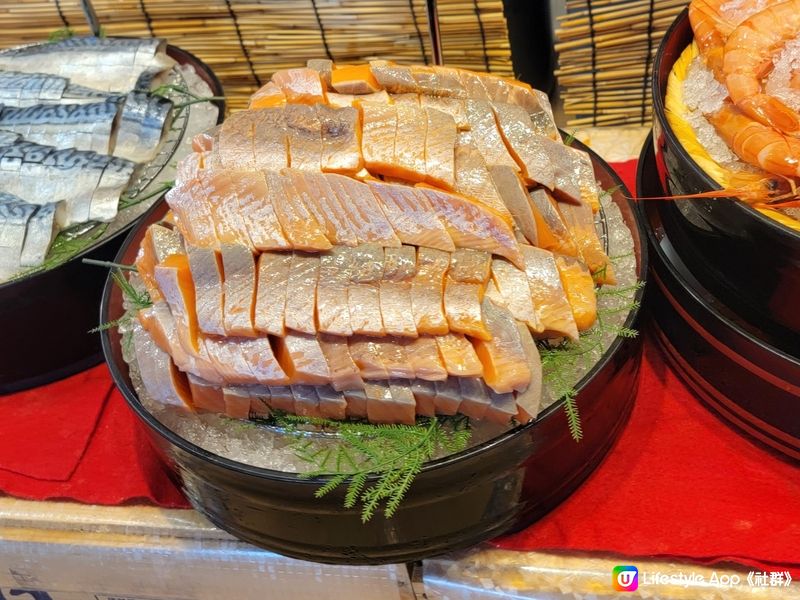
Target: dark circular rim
<point x="262" y="473"/>
<point x="660" y="113"/>
<point x="681" y="273"/>
<point x="216" y="89"/>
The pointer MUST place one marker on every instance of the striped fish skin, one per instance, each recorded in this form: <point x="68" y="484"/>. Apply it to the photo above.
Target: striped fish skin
<point x="14" y="216"/>
<point x="143" y="120"/>
<point x="42" y="229"/>
<point x="106" y="64"/>
<point x="20" y="90"/>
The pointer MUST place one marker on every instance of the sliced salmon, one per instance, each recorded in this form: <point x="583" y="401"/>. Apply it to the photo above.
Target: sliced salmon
<point x="237" y="402"/>
<point x="588" y="182"/>
<point x="473" y="84"/>
<point x="392" y="354"/>
<point x="552" y="232"/>
<point x="341" y="139"/>
<point x="305" y="137"/>
<point x="174" y="278"/>
<point x="549" y="297"/>
<point x="408" y="161"/>
<point x="306" y="401"/>
<point x="273" y="280"/>
<point x="206" y="268"/>
<point x="470" y="266"/>
<point x="427" y="292"/>
<point x="192" y="213"/>
<point x="311" y="190"/>
<point x="529" y="400"/>
<point x="258" y="213"/>
<point x="572" y="179"/>
<point x="412" y="216"/>
<point x="366" y="354"/>
<point x="332" y="403"/>
<point x="408" y="98"/>
<point x="341" y="100"/>
<point x="229" y="359"/>
<point x="475" y="399"/>
<point x="459" y="356"/>
<point x="380" y="97"/>
<point x="367" y="216"/>
<point x="448" y="396"/>
<point x="524" y="145"/>
<point x="403" y="406"/>
<point x="190" y="166"/>
<point x="400" y="265"/>
<point x="158" y="243"/>
<point x="378" y="402"/>
<point x="262" y="361"/>
<point x="223" y="204"/>
<point x="462" y="306"/>
<point x="207" y="397"/>
<point x="505" y="366"/>
<point x="162" y="380"/>
<point x="345" y="374"/>
<point x="379" y="129"/>
<point x="455" y="107"/>
<point x="515" y="197"/>
<point x="281" y="398"/>
<point x="441" y="136"/>
<point x="473" y="179"/>
<point x="425" y="395"/>
<point x="486" y="135"/>
<point x="301" y="293"/>
<point x="236" y="141"/>
<point x="472" y="225"/>
<point x="514" y="289"/>
<point x="579" y="219"/>
<point x="267" y="96"/>
<point x="356" y="403"/>
<point x="502" y="408"/>
<point x="302" y="359"/>
<point x="239" y="267"/>
<point x="324" y="67"/>
<point x="354" y="79"/>
<point x="423" y="357"/>
<point x="298" y="224"/>
<point x="438" y="81"/>
<point x="205" y="140"/>
<point x="341" y="213"/>
<point x="580" y="288"/>
<point x="363" y="291"/>
<point x="335" y="270"/>
<point x="270" y="139"/>
<point x="395" y="79"/>
<point x="303" y="86"/>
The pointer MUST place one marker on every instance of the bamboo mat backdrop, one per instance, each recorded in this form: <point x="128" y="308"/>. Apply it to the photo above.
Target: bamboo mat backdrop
<point x="605" y="52"/>
<point x="245" y="41"/>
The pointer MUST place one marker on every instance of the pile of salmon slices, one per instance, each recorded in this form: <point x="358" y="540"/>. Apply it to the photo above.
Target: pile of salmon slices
<point x="372" y="242"/>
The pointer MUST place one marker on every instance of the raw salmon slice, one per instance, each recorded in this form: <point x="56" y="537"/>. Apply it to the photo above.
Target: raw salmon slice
<point x="356" y="403"/>
<point x="425" y="396"/>
<point x="579" y="285"/>
<point x="273" y="279"/>
<point x="281" y="398"/>
<point x="502" y="408"/>
<point x="341" y="139"/>
<point x="261" y="361"/>
<point x="462" y="306"/>
<point x="258" y="213"/>
<point x="301" y="358"/>
<point x="408" y="98"/>
<point x="345" y="375"/>
<point x="438" y="81"/>
<point x="206" y="267"/>
<point x="363" y="291"/>
<point x="427" y="292"/>
<point x="505" y="366"/>
<point x="524" y="144"/>
<point x="529" y="400"/>
<point x="206" y="396"/>
<point x="267" y="96"/>
<point x="306" y="401"/>
<point x="192" y="213"/>
<point x="472" y="225"/>
<point x="515" y="197"/>
<point x="270" y="139"/>
<point x="229" y="225"/>
<point x="455" y="107"/>
<point x="379" y="128"/>
<point x="514" y="289"/>
<point x="475" y="400"/>
<point x="174" y="278"/>
<point x="400" y="265"/>
<point x="237" y="402"/>
<point x="423" y="357"/>
<point x="366" y="354"/>
<point x="569" y="167"/>
<point x="378" y="402"/>
<point x="551" y="230"/>
<point x="354" y="79"/>
<point x="579" y="219"/>
<point x="396" y="79"/>
<point x="229" y="360"/>
<point x="470" y="266"/>
<point x="448" y="396"/>
<point x="337" y="213"/>
<point x="409" y="157"/>
<point x="236" y="141"/>
<point x="549" y="298"/>
<point x="239" y="268"/>
<point x="458" y="356"/>
<point x="332" y="403"/>
<point x="324" y="67"/>
<point x="335" y="270"/>
<point x="473" y="179"/>
<point x="402" y="409"/>
<point x="305" y="137"/>
<point x="441" y="136"/>
<point x="473" y="85"/>
<point x="158" y="243"/>
<point x="341" y="100"/>
<point x="301" y="293"/>
<point x="298" y="224"/>
<point x="161" y="378"/>
<point x="391" y="352"/>
<point x="303" y="86"/>
<point x="319" y="202"/>
<point x="412" y="216"/>
<point x="485" y="134"/>
<point x="367" y="216"/>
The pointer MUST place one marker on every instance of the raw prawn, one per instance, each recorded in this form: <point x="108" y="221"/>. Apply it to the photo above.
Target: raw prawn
<point x="711" y="28"/>
<point x="747" y="59"/>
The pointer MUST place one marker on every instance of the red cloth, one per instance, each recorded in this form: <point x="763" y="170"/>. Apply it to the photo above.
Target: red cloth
<point x="678" y="483"/>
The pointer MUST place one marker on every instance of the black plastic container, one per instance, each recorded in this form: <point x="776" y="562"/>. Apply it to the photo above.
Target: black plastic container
<point x="496" y="487"/>
<point x="46" y="318"/>
<point x="749" y="259"/>
<point x="736" y="368"/>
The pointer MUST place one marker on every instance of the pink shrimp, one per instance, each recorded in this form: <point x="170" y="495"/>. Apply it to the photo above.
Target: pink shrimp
<point x="747" y="60"/>
<point x="711" y="28"/>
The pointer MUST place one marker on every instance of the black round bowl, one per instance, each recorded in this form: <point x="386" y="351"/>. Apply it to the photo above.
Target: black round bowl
<point x="456" y="502"/>
<point x="737" y="252"/>
<point x="736" y="368"/>
<point x="46" y="318"/>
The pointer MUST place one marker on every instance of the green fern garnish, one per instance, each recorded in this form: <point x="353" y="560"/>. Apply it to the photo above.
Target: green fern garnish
<point x="59" y="35"/>
<point x="136" y="299"/>
<point x="128" y="201"/>
<point x="394" y="454"/>
<point x="570" y="137"/>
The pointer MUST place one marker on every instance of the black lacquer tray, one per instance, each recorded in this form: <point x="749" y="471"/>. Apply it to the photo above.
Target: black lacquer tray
<point x="740" y="370"/>
<point x="499" y="486"/>
<point x="749" y="259"/>
<point x="46" y="317"/>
